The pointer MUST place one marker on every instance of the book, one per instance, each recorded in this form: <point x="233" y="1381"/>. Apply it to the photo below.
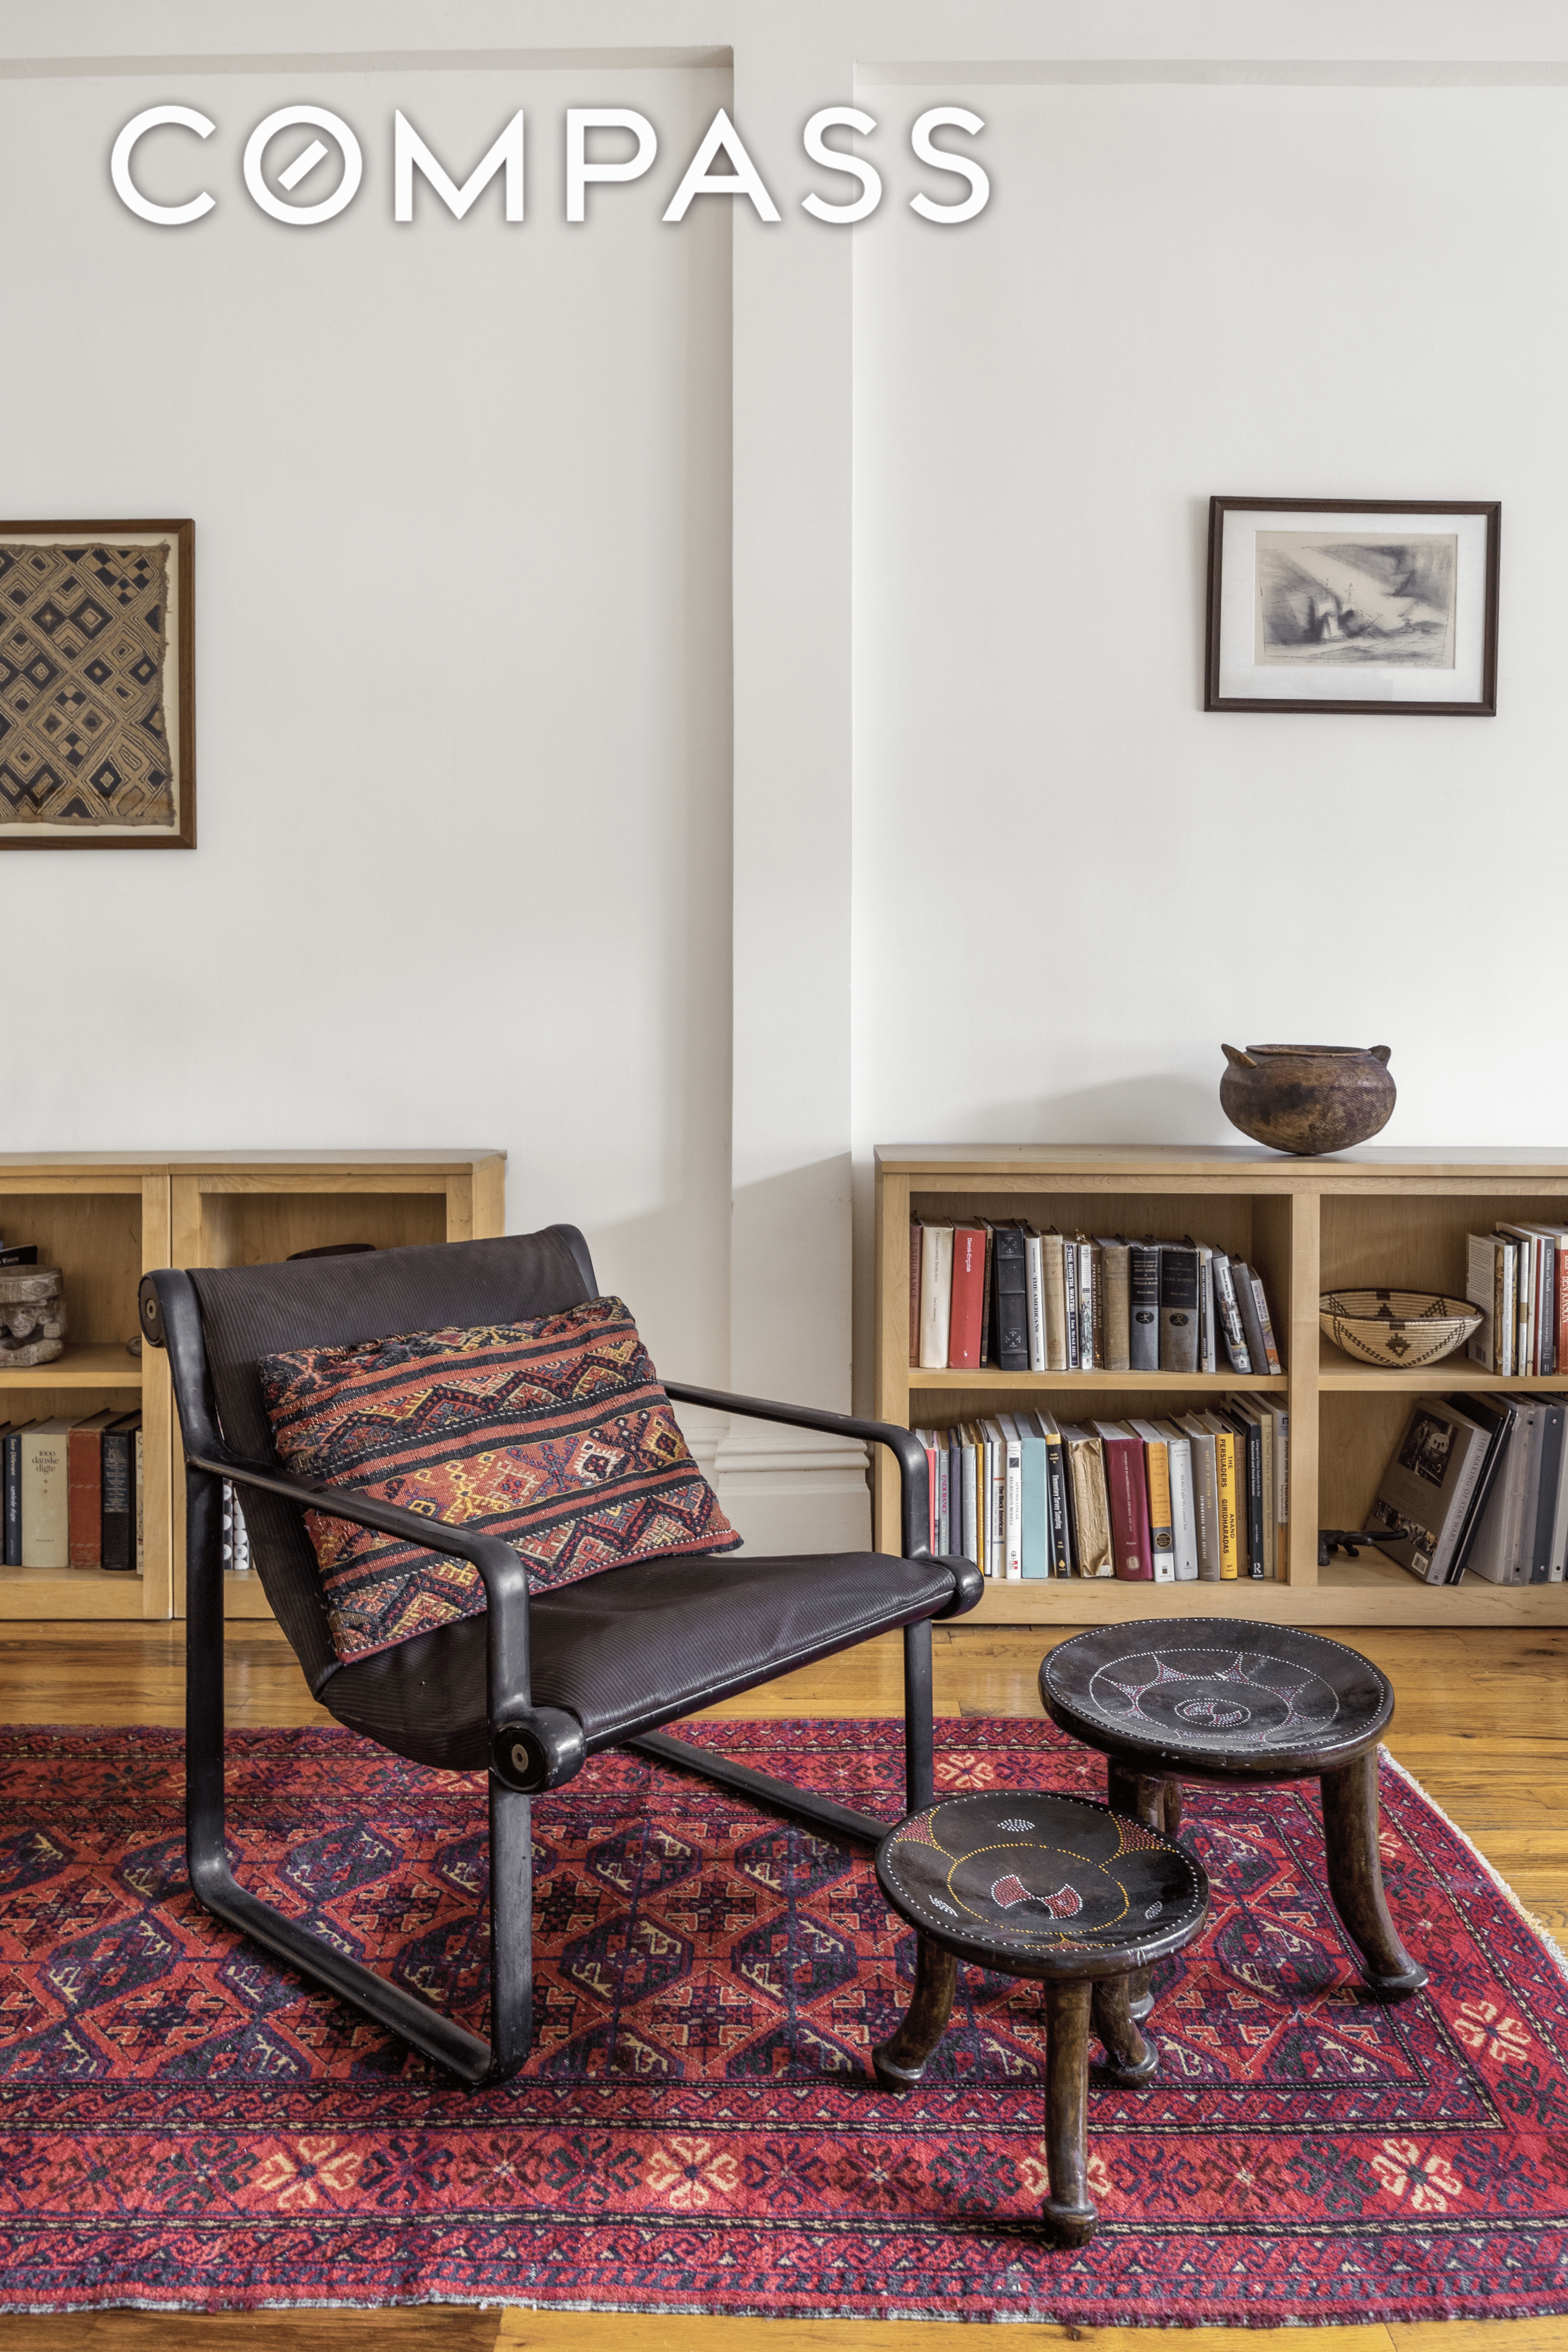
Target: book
<point x="927" y="1438"/>
<point x="1271" y="1359"/>
<point x="1183" y="1502"/>
<point x="1058" y="1529"/>
<point x="1034" y="1274"/>
<point x="1250" y="1515"/>
<point x="1178" y="1307"/>
<point x="1228" y="1490"/>
<point x="1126" y="1496"/>
<point x="1157" y="1483"/>
<point x="1259" y="1409"/>
<point x="1524" y="1315"/>
<point x="1088" y="1501"/>
<point x="1208" y="1354"/>
<point x="1115" y="1277"/>
<point x="1557" y="1547"/>
<point x="236" y="1539"/>
<point x="1488" y="1258"/>
<point x="136" y="1489"/>
<point x="84" y="1480"/>
<point x="915" y="1236"/>
<point x="936" y="1295"/>
<point x="1228" y="1315"/>
<point x="1251" y="1323"/>
<point x="1497" y="1416"/>
<point x="13" y="1492"/>
<point x="1010" y="1301"/>
<point x="968" y="1520"/>
<point x="1087" y="1355"/>
<point x="966" y="1297"/>
<point x="990" y="1232"/>
<point x="46" y="1495"/>
<point x="1205" y="1493"/>
<point x="1012" y="1453"/>
<point x="1496" y="1549"/>
<point x="1035" y="1498"/>
<point x="1538" y="1557"/>
<point x="994" y="1464"/>
<point x="20" y="1253"/>
<point x="1424" y="1493"/>
<point x="1143" y="1305"/>
<point x="1052" y="1275"/>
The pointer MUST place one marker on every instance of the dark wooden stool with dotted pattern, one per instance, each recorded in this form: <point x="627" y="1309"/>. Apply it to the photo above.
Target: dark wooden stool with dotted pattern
<point x="1048" y="1887"/>
<point x="1226" y="1699"/>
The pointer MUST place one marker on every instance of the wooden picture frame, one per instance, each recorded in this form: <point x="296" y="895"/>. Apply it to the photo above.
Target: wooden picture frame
<point x="97" y="741"/>
<point x="1349" y="614"/>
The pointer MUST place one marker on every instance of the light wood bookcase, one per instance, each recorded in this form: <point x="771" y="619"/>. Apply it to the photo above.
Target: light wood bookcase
<point x="106" y="1218"/>
<point x="1370" y="1217"/>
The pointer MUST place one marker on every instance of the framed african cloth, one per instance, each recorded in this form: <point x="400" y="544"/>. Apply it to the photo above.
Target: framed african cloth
<point x="96" y="686"/>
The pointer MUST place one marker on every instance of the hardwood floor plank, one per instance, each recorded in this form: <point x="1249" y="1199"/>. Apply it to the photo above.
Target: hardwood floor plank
<point x="586" y="2331"/>
<point x="432" y="2327"/>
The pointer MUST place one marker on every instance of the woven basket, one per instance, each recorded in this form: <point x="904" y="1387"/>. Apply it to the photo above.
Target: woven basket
<point x="1398" y="1329"/>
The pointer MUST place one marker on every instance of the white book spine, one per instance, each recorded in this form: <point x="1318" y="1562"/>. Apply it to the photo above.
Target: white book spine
<point x="1086" y="1356"/>
<point x="944" y="1499"/>
<point x="1208" y="1353"/>
<point x="1012" y="1517"/>
<point x="1035" y="1263"/>
<point x="1184" y="1511"/>
<point x="45" y="1496"/>
<point x="971" y="1534"/>
<point x="936" y="1296"/>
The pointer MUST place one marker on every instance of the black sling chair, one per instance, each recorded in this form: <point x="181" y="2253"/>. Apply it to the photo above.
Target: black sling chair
<point x="540" y="1682"/>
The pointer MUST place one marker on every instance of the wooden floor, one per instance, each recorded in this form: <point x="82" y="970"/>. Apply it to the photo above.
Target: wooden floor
<point x="1482" y="1722"/>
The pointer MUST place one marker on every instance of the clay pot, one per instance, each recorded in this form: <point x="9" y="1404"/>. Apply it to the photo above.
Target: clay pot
<point x="1308" y="1098"/>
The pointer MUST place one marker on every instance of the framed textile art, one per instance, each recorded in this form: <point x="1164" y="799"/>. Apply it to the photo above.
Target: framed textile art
<point x="1365" y="604"/>
<point x="98" y="685"/>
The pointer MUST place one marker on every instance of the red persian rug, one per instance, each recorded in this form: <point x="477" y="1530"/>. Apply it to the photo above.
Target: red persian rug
<point x="185" y="2125"/>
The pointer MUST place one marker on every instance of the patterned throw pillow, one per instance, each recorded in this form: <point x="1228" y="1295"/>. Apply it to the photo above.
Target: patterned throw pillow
<point x="553" y="1435"/>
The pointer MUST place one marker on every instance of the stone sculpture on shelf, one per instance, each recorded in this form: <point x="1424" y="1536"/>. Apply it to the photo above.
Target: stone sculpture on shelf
<point x="32" y="1316"/>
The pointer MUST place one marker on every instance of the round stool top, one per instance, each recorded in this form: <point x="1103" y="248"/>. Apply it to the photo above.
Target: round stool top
<point x="1217" y="1695"/>
<point x="1042" y="1885"/>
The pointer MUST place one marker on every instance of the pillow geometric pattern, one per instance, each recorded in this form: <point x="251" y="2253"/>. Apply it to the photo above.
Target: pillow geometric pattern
<point x="553" y="1435"/>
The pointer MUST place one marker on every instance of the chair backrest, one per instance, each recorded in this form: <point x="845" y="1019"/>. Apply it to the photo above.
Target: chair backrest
<point x="251" y="1311"/>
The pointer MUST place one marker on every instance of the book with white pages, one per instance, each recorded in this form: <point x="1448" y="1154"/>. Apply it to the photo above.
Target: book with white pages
<point x="1205" y="1493"/>
<point x="936" y="1295"/>
<point x="1183" y="1501"/>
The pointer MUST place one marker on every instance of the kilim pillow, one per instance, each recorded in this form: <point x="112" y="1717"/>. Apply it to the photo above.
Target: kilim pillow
<point x="553" y="1435"/>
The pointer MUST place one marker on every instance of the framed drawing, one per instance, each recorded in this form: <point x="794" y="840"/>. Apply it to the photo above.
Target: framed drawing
<point x="1352" y="604"/>
<point x="96" y="686"/>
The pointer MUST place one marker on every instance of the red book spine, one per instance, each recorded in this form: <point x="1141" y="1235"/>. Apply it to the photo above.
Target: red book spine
<point x="1129" y="1508"/>
<point x="84" y="1473"/>
<point x="968" y="1298"/>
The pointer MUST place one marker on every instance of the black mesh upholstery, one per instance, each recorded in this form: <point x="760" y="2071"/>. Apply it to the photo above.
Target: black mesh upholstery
<point x="250" y="1311"/>
<point x="637" y="1646"/>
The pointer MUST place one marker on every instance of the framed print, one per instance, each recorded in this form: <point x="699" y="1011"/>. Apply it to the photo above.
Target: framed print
<point x="98" y="685"/>
<point x="1352" y="604"/>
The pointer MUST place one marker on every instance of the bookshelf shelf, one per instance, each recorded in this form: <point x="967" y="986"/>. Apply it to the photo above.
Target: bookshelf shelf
<point x="1372" y="1217"/>
<point x="106" y="1218"/>
<point x="98" y="1367"/>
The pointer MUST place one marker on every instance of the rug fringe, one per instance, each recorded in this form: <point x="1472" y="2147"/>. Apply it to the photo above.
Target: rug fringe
<point x="1537" y="1926"/>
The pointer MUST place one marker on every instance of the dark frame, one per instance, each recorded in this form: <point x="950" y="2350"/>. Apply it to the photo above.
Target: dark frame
<point x="183" y="532"/>
<point x="1219" y="507"/>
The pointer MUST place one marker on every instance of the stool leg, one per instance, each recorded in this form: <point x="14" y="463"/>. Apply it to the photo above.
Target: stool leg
<point x="900" y="2061"/>
<point x="1069" y="2216"/>
<point x="1145" y="1796"/>
<point x="1130" y="2058"/>
<point x="1355" y="1879"/>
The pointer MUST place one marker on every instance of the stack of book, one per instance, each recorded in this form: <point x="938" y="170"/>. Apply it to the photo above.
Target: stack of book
<point x="1518" y="1276"/>
<point x="1007" y="1295"/>
<point x="236" y="1535"/>
<point x="73" y="1492"/>
<point x="1196" y="1499"/>
<point x="1478" y="1482"/>
<point x="18" y="1254"/>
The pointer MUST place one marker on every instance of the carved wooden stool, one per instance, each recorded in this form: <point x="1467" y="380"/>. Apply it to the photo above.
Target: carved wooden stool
<point x="1227" y="1699"/>
<point x="1047" y="1886"/>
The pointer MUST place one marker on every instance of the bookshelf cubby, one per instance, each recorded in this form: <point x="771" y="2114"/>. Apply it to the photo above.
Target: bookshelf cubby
<point x="106" y="1218"/>
<point x="1388" y="1218"/>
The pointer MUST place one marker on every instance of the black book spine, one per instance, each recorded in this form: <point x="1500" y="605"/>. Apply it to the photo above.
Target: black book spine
<point x="1500" y="1419"/>
<point x="1546" y="1501"/>
<point x="14" y="1499"/>
<point x="20" y="1256"/>
<point x="119" y="1503"/>
<point x="1178" y="1309"/>
<point x="1011" y="1291"/>
<point x="1143" y="1291"/>
<point x="987" y="1283"/>
<point x="1057" y="1498"/>
<point x="1251" y="1436"/>
<point x="1548" y="1309"/>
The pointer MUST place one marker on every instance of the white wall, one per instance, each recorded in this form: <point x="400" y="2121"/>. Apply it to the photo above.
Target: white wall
<point x="463" y="659"/>
<point x="1070" y="882"/>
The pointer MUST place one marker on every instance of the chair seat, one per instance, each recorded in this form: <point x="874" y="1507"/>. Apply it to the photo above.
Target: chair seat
<point x="635" y="1647"/>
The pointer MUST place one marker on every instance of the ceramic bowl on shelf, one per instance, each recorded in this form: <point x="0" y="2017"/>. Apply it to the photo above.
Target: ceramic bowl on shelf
<point x="1398" y="1329"/>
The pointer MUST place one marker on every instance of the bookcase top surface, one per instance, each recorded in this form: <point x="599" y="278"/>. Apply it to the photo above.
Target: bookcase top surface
<point x="1219" y="1160"/>
<point x="417" y="1161"/>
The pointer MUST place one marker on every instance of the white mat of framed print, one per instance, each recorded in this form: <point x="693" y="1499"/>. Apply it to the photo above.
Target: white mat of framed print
<point x="96" y="686"/>
<point x="1324" y="605"/>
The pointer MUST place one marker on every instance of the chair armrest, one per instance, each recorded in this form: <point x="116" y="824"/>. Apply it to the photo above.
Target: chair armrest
<point x="913" y="1471"/>
<point x="531" y="1747"/>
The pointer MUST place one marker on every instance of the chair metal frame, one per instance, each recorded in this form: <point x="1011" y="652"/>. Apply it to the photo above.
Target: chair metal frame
<point x="532" y="1749"/>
